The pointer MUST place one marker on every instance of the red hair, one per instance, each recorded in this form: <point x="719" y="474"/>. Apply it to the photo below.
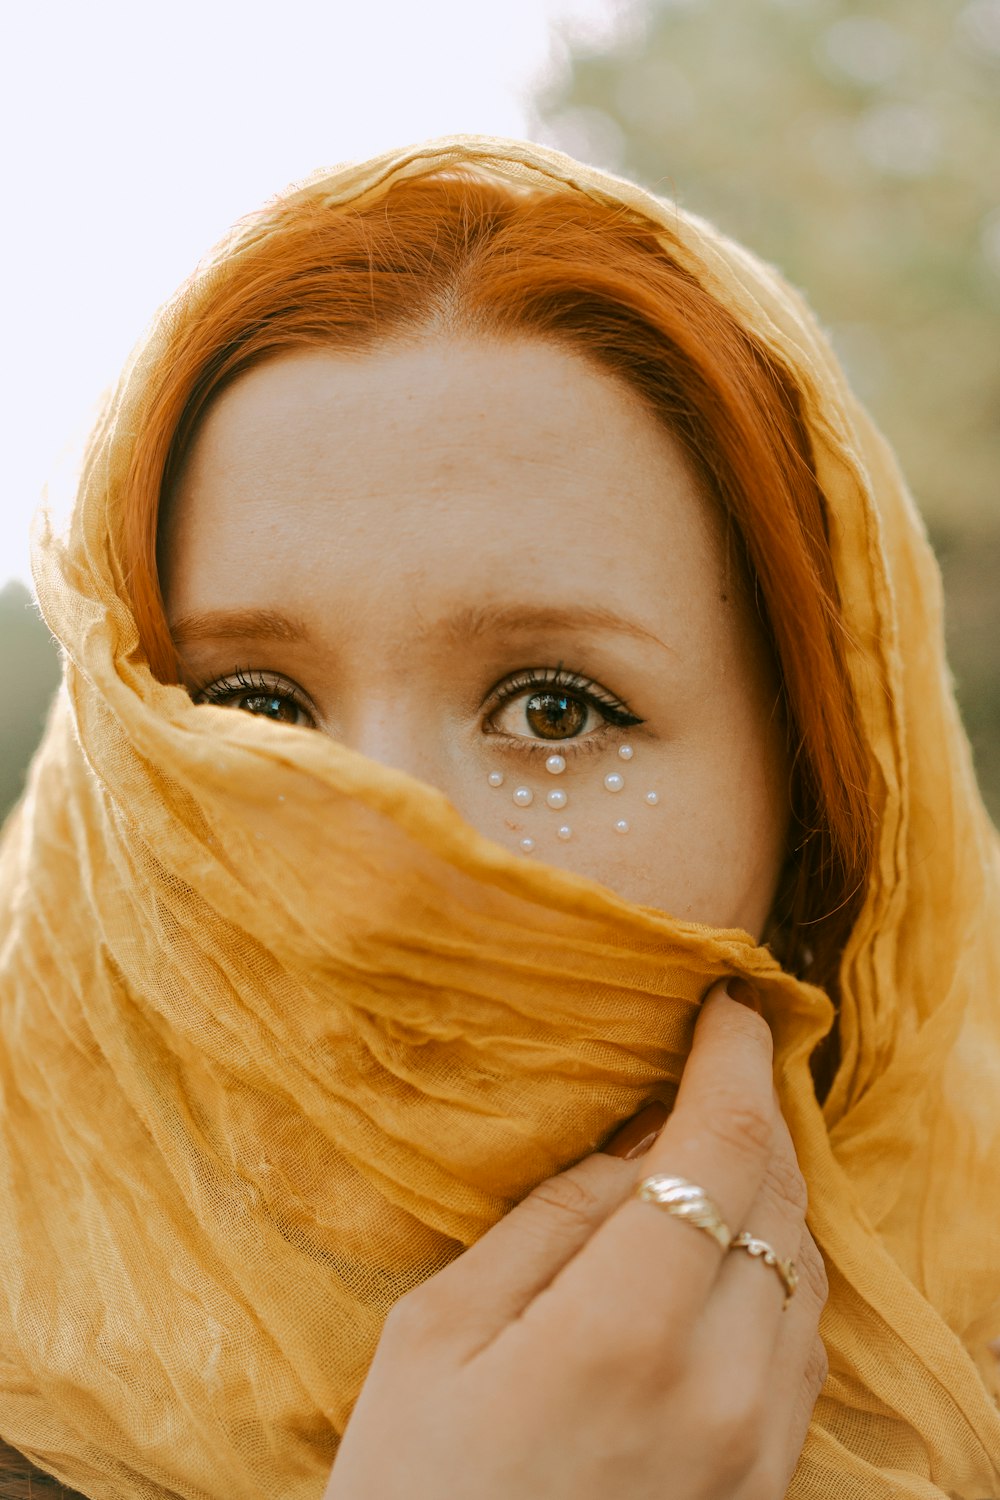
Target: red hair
<point x="20" y="1480"/>
<point x="452" y="251"/>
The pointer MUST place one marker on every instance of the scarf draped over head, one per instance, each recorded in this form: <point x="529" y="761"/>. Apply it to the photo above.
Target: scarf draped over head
<point x="281" y="1034"/>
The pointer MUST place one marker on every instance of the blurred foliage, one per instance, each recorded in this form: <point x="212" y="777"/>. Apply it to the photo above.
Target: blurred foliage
<point x="854" y="145"/>
<point x="970" y="564"/>
<point x="29" y="672"/>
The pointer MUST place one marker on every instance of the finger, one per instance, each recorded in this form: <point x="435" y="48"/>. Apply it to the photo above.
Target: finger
<point x="749" y="1300"/>
<point x="645" y="1269"/>
<point x="769" y="1417"/>
<point x="490" y="1285"/>
<point x="800" y="1363"/>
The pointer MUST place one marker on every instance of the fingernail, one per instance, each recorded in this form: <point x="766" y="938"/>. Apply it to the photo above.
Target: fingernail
<point x="994" y="1347"/>
<point x="638" y="1134"/>
<point x="738" y="989"/>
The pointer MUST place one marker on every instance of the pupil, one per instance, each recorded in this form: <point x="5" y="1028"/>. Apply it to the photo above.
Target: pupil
<point x="555" y="716"/>
<point x="270" y="707"/>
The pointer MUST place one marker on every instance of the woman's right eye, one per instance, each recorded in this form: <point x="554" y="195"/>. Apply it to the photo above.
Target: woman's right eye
<point x="263" y="694"/>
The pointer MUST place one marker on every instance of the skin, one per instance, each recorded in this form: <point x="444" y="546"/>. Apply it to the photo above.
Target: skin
<point x="418" y="527"/>
<point x="428" y="522"/>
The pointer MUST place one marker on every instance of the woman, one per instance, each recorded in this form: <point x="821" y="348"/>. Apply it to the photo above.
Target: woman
<point x="538" y="520"/>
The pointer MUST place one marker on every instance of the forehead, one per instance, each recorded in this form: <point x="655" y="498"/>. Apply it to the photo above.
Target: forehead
<point x="444" y="466"/>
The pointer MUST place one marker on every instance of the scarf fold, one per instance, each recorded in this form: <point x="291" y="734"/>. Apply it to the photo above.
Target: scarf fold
<point x="280" y="1034"/>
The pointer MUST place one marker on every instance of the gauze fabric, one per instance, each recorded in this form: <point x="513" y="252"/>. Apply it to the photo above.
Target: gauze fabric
<point x="281" y="1033"/>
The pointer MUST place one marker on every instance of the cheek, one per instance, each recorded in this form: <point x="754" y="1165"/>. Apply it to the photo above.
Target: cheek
<point x="572" y="811"/>
<point x="696" y="831"/>
<point x="730" y="818"/>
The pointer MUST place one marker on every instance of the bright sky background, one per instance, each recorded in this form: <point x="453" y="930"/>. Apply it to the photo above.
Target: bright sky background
<point x="136" y="131"/>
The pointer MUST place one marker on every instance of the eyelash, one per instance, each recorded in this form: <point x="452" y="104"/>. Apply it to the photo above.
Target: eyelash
<point x="615" y="713"/>
<point x="249" y="681"/>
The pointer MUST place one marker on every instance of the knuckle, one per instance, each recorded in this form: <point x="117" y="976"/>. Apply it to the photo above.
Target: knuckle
<point x="785" y="1183"/>
<point x="741" y="1127"/>
<point x="651" y="1352"/>
<point x="754" y="1031"/>
<point x="738" y="1422"/>
<point x="737" y="1437"/>
<point x="570" y="1197"/>
<point x="814" y="1376"/>
<point x="812" y="1271"/>
<point x="607" y="1359"/>
<point x="414" y="1319"/>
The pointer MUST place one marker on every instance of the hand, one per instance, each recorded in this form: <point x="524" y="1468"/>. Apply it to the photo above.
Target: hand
<point x="592" y="1345"/>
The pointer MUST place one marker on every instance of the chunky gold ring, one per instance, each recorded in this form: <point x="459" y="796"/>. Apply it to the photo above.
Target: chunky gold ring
<point x="785" y="1268"/>
<point x="686" y="1201"/>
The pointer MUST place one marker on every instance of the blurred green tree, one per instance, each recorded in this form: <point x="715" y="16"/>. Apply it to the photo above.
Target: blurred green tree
<point x="29" y="672"/>
<point x="854" y="145"/>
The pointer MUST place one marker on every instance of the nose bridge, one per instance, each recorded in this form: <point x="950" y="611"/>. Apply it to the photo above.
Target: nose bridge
<point x="391" y="701"/>
<point x="390" y="718"/>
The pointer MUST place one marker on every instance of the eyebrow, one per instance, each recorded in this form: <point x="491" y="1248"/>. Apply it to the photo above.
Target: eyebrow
<point x="472" y="623"/>
<point x="238" y="624"/>
<point x="477" y="621"/>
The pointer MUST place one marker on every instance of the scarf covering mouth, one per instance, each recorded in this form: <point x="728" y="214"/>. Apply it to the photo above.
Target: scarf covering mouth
<point x="281" y="1034"/>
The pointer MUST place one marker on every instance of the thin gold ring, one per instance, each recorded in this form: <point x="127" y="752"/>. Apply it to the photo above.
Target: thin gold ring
<point x="765" y="1252"/>
<point x="685" y="1200"/>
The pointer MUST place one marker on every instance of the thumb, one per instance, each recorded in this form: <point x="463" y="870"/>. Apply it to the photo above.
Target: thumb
<point x="490" y="1285"/>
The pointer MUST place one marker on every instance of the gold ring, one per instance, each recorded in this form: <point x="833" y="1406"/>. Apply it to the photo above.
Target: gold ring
<point x="686" y="1201"/>
<point x="760" y="1248"/>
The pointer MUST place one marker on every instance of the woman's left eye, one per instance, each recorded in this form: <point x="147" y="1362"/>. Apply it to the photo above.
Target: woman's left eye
<point x="259" y="693"/>
<point x="553" y="706"/>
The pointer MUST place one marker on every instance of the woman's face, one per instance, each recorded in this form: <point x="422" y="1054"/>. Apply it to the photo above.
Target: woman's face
<point x="466" y="558"/>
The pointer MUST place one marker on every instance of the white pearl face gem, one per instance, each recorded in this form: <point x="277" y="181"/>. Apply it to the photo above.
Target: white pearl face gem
<point x="652" y="798"/>
<point x="527" y="845"/>
<point x="556" y="799"/>
<point x="565" y="832"/>
<point x="614" y="782"/>
<point x="555" y="765"/>
<point x="495" y="778"/>
<point x="621" y="826"/>
<point x="626" y="752"/>
<point x="524" y="796"/>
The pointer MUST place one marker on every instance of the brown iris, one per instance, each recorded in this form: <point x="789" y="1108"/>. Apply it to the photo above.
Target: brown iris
<point x="555" y="716"/>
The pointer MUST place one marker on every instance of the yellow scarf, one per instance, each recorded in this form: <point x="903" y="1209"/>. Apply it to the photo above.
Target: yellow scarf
<point x="281" y="1033"/>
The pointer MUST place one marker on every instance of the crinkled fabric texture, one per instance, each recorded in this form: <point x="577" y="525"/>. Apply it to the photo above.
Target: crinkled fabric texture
<point x="281" y="1034"/>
